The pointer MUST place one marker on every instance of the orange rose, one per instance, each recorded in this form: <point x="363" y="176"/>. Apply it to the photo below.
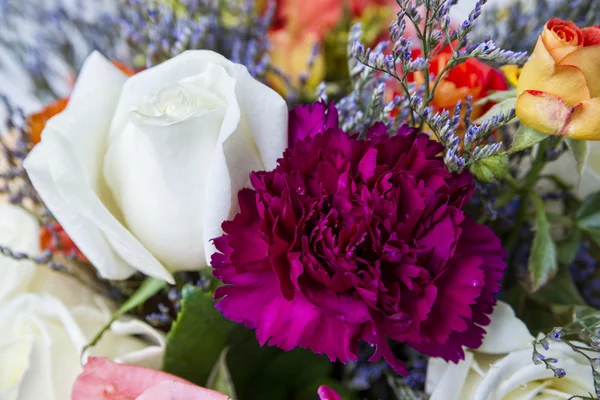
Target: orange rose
<point x="559" y="87"/>
<point x="471" y="78"/>
<point x="299" y="27"/>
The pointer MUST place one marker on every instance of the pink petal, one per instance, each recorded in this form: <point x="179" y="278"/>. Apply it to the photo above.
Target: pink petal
<point x="327" y="393"/>
<point x="103" y="379"/>
<point x="170" y="390"/>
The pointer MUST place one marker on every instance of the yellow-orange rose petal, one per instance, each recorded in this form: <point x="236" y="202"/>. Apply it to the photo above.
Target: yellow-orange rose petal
<point x="542" y="111"/>
<point x="584" y="123"/>
<point x="541" y="73"/>
<point x="587" y="59"/>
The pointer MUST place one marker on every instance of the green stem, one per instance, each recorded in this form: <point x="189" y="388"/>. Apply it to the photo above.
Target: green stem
<point x="538" y="165"/>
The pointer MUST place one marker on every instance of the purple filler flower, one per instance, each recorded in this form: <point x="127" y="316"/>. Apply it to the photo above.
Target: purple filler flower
<point x="349" y="240"/>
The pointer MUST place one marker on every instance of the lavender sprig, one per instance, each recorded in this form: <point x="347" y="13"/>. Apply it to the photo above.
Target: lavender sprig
<point x="434" y="32"/>
<point x="582" y="336"/>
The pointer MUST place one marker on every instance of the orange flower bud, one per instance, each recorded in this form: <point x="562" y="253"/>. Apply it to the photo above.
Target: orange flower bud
<point x="37" y="121"/>
<point x="559" y="87"/>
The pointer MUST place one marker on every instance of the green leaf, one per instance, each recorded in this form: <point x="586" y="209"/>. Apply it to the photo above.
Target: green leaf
<point x="543" y="263"/>
<point x="568" y="248"/>
<point x="561" y="290"/>
<point x="594" y="235"/>
<point x="498" y="97"/>
<point x="271" y="373"/>
<point x="220" y="378"/>
<point x="490" y="169"/>
<point x="502" y="107"/>
<point x="197" y="338"/>
<point x="580" y="149"/>
<point x="147" y="289"/>
<point x="525" y="138"/>
<point x="588" y="214"/>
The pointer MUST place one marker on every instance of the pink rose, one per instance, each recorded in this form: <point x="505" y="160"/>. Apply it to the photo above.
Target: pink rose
<point x="103" y="379"/>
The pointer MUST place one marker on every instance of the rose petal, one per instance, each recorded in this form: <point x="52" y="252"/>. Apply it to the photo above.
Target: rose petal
<point x="505" y="333"/>
<point x="587" y="60"/>
<point x="103" y="379"/>
<point x="444" y="380"/>
<point x="169" y="390"/>
<point x="18" y="230"/>
<point x="542" y="111"/>
<point x="584" y="123"/>
<point x="65" y="170"/>
<point x="542" y="74"/>
<point x="591" y="35"/>
<point x="561" y="38"/>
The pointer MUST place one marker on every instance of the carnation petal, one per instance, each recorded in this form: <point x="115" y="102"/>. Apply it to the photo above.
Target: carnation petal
<point x="366" y="242"/>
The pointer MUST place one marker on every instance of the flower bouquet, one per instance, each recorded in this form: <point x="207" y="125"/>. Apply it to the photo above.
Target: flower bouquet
<point x="359" y="199"/>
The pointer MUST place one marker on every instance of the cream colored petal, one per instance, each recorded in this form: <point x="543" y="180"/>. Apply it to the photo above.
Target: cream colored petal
<point x="450" y="384"/>
<point x="506" y="333"/>
<point x="65" y="168"/>
<point x="19" y="230"/>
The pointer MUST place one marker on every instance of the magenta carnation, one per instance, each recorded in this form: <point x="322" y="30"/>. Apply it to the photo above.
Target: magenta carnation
<point x="359" y="240"/>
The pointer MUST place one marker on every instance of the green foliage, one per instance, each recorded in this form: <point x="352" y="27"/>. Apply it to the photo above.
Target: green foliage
<point x="560" y="291"/>
<point x="209" y="350"/>
<point x="525" y="138"/>
<point x="580" y="149"/>
<point x="197" y="338"/>
<point x="147" y="289"/>
<point x="568" y="248"/>
<point x="220" y="377"/>
<point x="503" y="107"/>
<point x="270" y="373"/>
<point x="490" y="169"/>
<point x="588" y="217"/>
<point x="498" y="97"/>
<point x="543" y="258"/>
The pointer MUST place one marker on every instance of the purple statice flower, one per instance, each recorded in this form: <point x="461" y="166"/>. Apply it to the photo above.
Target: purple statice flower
<point x="352" y="240"/>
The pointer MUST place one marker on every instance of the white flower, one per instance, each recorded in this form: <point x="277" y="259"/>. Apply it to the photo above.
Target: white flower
<point x="142" y="171"/>
<point x="19" y="232"/>
<point x="502" y="368"/>
<point x="47" y="318"/>
<point x="41" y="342"/>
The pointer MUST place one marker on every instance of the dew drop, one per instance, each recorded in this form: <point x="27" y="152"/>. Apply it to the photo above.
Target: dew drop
<point x="476" y="283"/>
<point x="300" y="190"/>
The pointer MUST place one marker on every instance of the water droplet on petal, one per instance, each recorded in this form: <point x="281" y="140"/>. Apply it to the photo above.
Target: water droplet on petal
<point x="476" y="283"/>
<point x="300" y="190"/>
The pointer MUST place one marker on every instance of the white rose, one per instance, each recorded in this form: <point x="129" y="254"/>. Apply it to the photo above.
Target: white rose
<point x="142" y="171"/>
<point x="41" y="342"/>
<point x="19" y="232"/>
<point x="502" y="368"/>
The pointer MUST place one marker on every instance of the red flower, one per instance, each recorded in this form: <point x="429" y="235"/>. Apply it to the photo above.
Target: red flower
<point x="472" y="77"/>
<point x="54" y="238"/>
